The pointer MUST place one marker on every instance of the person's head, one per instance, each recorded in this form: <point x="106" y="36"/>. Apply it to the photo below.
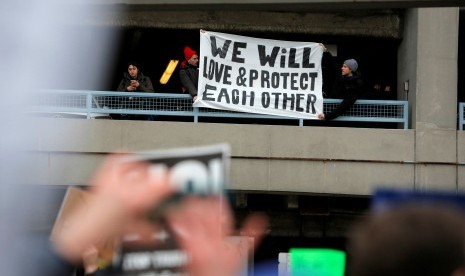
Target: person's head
<point x="133" y="69"/>
<point x="410" y="240"/>
<point x="349" y="67"/>
<point x="191" y="56"/>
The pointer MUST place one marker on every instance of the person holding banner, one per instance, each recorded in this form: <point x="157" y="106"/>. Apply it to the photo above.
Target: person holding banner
<point x="349" y="87"/>
<point x="189" y="73"/>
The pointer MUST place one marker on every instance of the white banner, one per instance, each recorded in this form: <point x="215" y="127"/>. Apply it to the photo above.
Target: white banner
<point x="264" y="76"/>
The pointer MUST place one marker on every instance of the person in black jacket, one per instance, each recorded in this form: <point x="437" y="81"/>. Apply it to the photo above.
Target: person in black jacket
<point x="349" y="87"/>
<point x="189" y="73"/>
<point x="135" y="81"/>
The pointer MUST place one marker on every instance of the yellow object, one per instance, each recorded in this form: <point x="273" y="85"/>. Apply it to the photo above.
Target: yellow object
<point x="168" y="71"/>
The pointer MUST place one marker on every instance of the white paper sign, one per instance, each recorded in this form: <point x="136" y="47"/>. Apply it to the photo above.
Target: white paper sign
<point x="263" y="76"/>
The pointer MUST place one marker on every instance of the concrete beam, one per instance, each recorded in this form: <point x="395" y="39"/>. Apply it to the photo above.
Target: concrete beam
<point x="280" y="5"/>
<point x="379" y="23"/>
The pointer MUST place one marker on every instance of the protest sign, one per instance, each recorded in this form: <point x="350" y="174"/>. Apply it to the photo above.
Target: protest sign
<point x="202" y="171"/>
<point x="265" y="76"/>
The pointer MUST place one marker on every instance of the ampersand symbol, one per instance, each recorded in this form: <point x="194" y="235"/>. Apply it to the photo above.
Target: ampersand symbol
<point x="241" y="79"/>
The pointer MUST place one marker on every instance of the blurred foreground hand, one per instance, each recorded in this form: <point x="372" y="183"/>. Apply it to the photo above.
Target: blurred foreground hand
<point x="201" y="226"/>
<point x="121" y="195"/>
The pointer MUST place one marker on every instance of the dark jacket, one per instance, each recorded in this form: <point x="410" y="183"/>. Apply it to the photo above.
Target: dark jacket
<point x="145" y="84"/>
<point x="189" y="76"/>
<point x="349" y="89"/>
<point x="330" y="73"/>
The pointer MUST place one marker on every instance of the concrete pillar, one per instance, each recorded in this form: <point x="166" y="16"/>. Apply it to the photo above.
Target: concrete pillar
<point x="428" y="62"/>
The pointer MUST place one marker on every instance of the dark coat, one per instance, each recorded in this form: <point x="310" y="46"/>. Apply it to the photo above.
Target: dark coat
<point x="145" y="84"/>
<point x="349" y="89"/>
<point x="189" y="76"/>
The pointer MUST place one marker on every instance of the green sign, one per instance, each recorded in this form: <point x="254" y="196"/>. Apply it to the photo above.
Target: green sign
<point x="317" y="262"/>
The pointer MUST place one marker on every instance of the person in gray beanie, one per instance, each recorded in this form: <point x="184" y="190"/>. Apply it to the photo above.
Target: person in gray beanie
<point x="352" y="64"/>
<point x="349" y="86"/>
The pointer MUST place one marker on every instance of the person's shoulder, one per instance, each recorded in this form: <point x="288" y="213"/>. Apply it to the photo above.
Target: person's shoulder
<point x="142" y="76"/>
<point x="359" y="80"/>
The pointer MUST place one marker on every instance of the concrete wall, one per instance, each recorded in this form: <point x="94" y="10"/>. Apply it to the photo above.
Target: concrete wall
<point x="325" y="160"/>
<point x="407" y="62"/>
<point x="428" y="61"/>
<point x="437" y="51"/>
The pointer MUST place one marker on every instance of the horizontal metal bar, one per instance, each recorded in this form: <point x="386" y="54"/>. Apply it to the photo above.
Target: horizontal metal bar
<point x="173" y="104"/>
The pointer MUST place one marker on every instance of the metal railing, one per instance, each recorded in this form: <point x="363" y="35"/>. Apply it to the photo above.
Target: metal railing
<point x="461" y="116"/>
<point x="95" y="104"/>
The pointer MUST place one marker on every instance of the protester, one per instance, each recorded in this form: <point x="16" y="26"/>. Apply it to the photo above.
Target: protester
<point x="121" y="195"/>
<point x="349" y="87"/>
<point x="414" y="239"/>
<point x="189" y="73"/>
<point x="135" y="81"/>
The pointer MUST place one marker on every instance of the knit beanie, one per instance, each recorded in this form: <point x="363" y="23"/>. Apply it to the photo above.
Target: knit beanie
<point x="352" y="64"/>
<point x="188" y="53"/>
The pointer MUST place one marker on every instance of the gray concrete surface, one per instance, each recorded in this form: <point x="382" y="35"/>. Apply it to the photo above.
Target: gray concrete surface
<point x="285" y="159"/>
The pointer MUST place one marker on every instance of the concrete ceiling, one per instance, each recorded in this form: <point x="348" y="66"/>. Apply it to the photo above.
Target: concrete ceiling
<point x="277" y="5"/>
<point x="371" y="18"/>
<point x="381" y="23"/>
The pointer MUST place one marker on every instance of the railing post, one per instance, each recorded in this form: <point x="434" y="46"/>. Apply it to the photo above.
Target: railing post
<point x="196" y="114"/>
<point x="88" y="104"/>
<point x="406" y="115"/>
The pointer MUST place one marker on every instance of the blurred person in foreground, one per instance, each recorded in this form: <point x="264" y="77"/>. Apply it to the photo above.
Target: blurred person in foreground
<point x="122" y="194"/>
<point x="50" y="35"/>
<point x="409" y="240"/>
